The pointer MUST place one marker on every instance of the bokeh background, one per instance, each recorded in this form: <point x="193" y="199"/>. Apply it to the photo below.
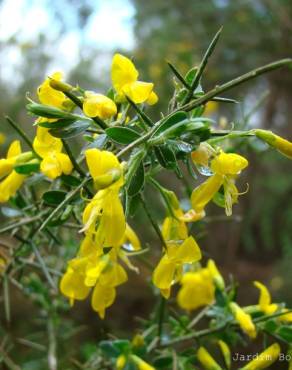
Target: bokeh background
<point x="79" y="37"/>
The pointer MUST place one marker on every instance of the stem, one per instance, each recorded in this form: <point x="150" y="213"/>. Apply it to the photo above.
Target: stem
<point x="137" y="142"/>
<point x="230" y="84"/>
<point x="52" y="357"/>
<point x="21" y="133"/>
<point x="143" y="116"/>
<point x="22" y="223"/>
<point x="153" y="222"/>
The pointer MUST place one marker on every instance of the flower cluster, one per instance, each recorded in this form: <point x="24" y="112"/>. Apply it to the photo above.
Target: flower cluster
<point x="101" y="184"/>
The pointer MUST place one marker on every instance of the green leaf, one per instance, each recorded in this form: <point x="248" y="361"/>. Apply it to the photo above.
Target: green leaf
<point x="166" y="157"/>
<point x="137" y="181"/>
<point x="170" y="122"/>
<point x="271" y="326"/>
<point x="47" y="111"/>
<point x="285" y="332"/>
<point x="57" y="124"/>
<point x="133" y="205"/>
<point x="27" y="168"/>
<point x="54" y="197"/>
<point x="99" y="142"/>
<point x="70" y="180"/>
<point x="109" y="349"/>
<point x="73" y="130"/>
<point x="122" y="135"/>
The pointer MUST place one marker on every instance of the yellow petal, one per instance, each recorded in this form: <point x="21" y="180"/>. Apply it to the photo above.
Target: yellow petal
<point x="188" y="251"/>
<point x="123" y="72"/>
<point x="113" y="276"/>
<point x="228" y="164"/>
<point x="45" y="144"/>
<point x="214" y="272"/>
<point x="226" y="353"/>
<point x="265" y="358"/>
<point x="244" y="320"/>
<point x="207" y="360"/>
<point x="102" y="162"/>
<point x="197" y="290"/>
<point x="204" y="193"/>
<point x="72" y="286"/>
<point x="98" y="105"/>
<point x="49" y="96"/>
<point x="14" y="149"/>
<point x="10" y="185"/>
<point x="265" y="299"/>
<point x="131" y="238"/>
<point x="65" y="163"/>
<point x="102" y="298"/>
<point x="51" y="167"/>
<point x="141" y="364"/>
<point x="174" y="229"/>
<point x="164" y="273"/>
<point x="138" y="91"/>
<point x="152" y="99"/>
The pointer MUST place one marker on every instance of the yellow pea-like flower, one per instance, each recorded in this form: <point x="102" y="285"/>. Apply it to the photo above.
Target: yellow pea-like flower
<point x="265" y="300"/>
<point x="49" y="148"/>
<point x="7" y="164"/>
<point x="104" y="218"/>
<point x="54" y="165"/>
<point x="49" y="96"/>
<point x="125" y="82"/>
<point x="244" y="320"/>
<point x="168" y="270"/>
<point x="225" y="166"/>
<point x="98" y="105"/>
<point x="72" y="285"/>
<point x="104" y="168"/>
<point x="206" y="360"/>
<point x="228" y="164"/>
<point x="204" y="193"/>
<point x="198" y="290"/>
<point x="10" y="185"/>
<point x="265" y="358"/>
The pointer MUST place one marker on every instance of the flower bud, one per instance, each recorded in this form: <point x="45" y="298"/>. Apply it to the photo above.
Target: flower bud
<point x="207" y="360"/>
<point x="282" y="145"/>
<point x="59" y="85"/>
<point x="265" y="358"/>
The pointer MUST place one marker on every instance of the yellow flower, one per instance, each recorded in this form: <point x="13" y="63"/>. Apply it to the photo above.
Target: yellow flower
<point x="244" y="320"/>
<point x="264" y="359"/>
<point x="104" y="217"/>
<point x="49" y="96"/>
<point x="72" y="285"/>
<point x="2" y="265"/>
<point x="207" y="360"/>
<point x="265" y="301"/>
<point x="13" y="181"/>
<point x="198" y="288"/>
<point x="282" y="145"/>
<point x="104" y="168"/>
<point x="98" y="105"/>
<point x="225" y="352"/>
<point x="225" y="166"/>
<point x="169" y="268"/>
<point x="49" y="148"/>
<point x="141" y="364"/>
<point x="125" y="81"/>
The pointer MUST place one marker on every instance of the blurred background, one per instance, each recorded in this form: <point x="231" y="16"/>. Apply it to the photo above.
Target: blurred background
<point x="79" y="37"/>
